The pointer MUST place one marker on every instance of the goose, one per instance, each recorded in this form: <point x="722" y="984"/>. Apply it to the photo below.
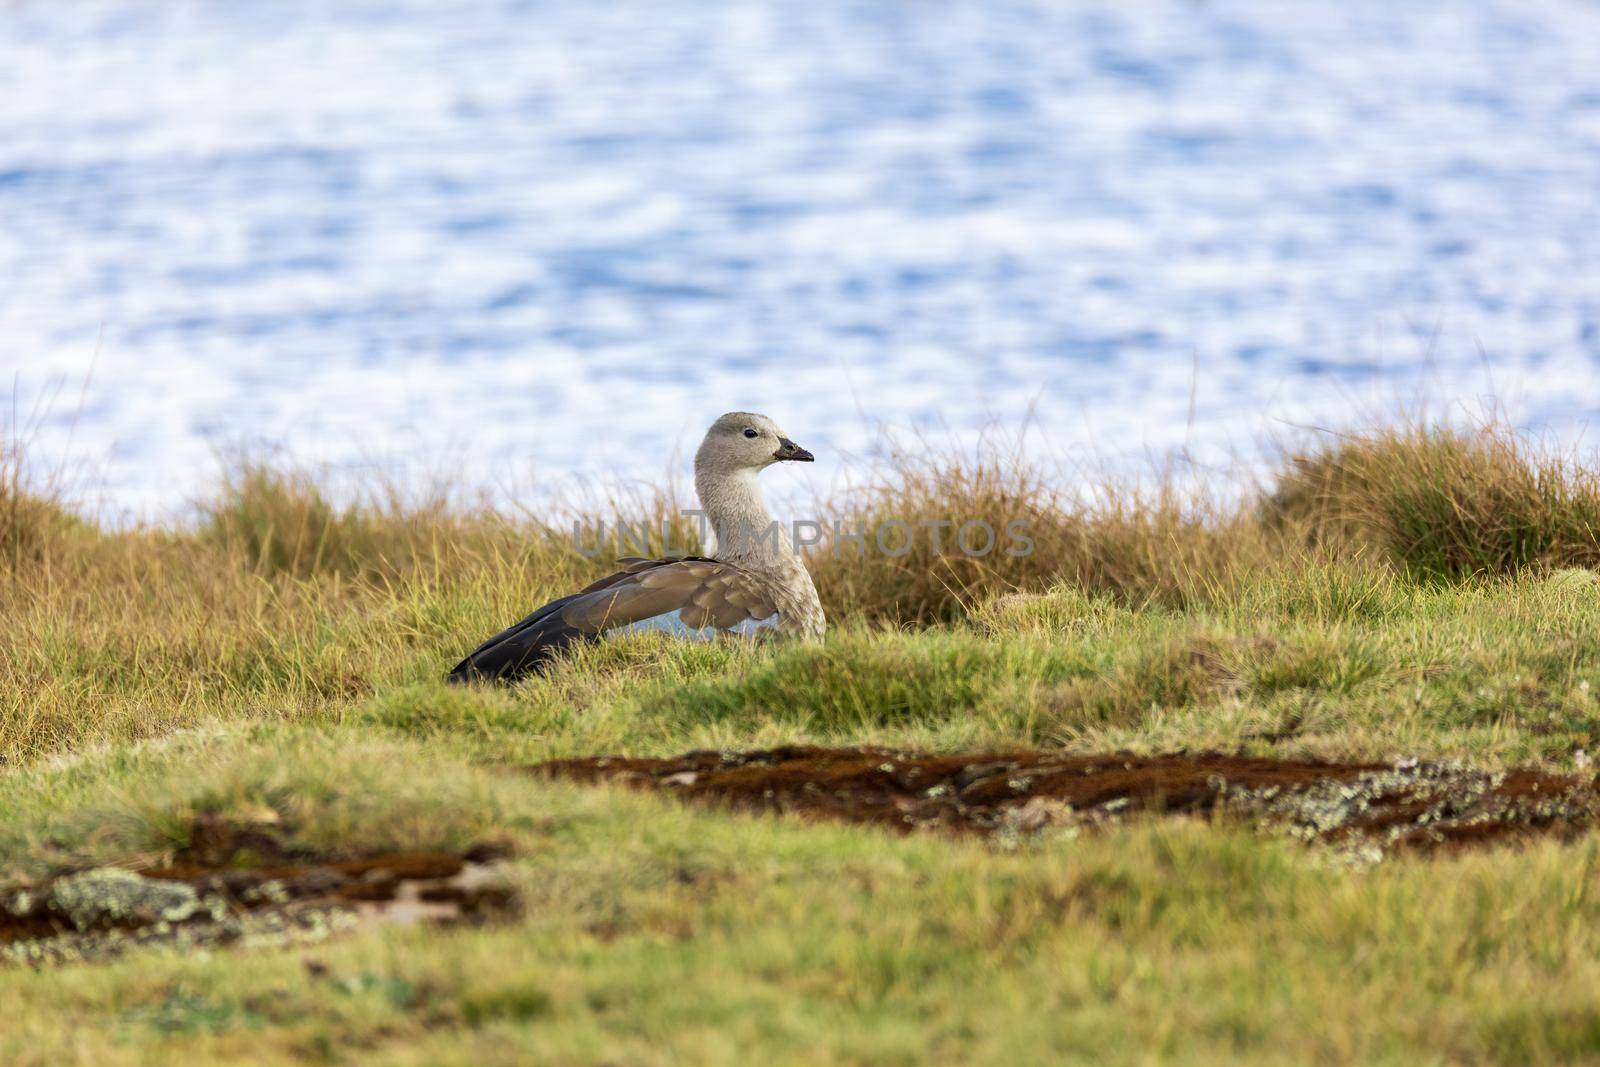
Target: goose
<point x="755" y="584"/>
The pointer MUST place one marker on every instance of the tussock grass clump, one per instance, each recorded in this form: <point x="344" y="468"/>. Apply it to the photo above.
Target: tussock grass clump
<point x="937" y="535"/>
<point x="279" y="521"/>
<point x="1444" y="502"/>
<point x="33" y="525"/>
<point x="915" y="556"/>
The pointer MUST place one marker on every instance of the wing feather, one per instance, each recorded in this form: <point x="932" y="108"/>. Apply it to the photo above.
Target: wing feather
<point x="692" y="593"/>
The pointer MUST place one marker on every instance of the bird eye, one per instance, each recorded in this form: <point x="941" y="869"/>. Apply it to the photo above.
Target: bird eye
<point x="748" y="432"/>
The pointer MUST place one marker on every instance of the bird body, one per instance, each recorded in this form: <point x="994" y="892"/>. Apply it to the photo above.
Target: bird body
<point x="755" y="583"/>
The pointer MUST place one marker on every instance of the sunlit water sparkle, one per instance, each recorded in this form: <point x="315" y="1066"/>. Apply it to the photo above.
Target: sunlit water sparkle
<point x="525" y="241"/>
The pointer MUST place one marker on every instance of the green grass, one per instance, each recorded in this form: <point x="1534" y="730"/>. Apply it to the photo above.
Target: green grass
<point x="278" y="664"/>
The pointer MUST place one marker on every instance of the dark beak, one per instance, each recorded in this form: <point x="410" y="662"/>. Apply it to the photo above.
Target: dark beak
<point x="787" y="449"/>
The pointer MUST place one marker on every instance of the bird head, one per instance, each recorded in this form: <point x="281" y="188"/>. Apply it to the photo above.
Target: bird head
<point x="742" y="440"/>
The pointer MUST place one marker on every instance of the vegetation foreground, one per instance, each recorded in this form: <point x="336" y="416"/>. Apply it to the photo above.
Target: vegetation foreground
<point x="265" y="686"/>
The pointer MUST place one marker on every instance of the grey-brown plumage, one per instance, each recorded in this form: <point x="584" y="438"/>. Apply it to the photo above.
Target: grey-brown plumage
<point x="755" y="583"/>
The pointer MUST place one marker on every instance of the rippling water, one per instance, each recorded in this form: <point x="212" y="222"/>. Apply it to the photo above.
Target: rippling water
<point x="560" y="237"/>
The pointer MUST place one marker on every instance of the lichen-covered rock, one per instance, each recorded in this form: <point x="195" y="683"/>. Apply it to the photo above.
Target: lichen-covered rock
<point x="109" y="896"/>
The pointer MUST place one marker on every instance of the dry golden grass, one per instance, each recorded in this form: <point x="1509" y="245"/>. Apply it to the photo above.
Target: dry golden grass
<point x="1138" y="545"/>
<point x="1444" y="502"/>
<point x="34" y="527"/>
<point x="1433" y="501"/>
<point x="279" y="601"/>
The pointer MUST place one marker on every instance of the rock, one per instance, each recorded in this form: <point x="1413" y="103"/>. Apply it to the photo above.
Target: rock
<point x="110" y="896"/>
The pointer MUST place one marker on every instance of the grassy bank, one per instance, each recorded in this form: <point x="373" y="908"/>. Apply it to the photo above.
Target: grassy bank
<point x="1402" y="593"/>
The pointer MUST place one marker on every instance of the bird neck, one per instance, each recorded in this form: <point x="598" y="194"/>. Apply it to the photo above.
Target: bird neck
<point x="745" y="530"/>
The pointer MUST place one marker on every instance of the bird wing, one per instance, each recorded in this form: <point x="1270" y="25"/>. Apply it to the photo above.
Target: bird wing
<point x="691" y="596"/>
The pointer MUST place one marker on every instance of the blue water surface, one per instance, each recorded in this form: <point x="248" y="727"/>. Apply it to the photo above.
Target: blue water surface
<point x="520" y="241"/>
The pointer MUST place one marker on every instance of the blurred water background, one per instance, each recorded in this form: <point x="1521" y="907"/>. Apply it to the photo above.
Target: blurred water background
<point x="522" y="241"/>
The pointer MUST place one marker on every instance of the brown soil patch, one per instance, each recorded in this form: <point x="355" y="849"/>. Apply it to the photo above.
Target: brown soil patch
<point x="1367" y="807"/>
<point x="101" y="912"/>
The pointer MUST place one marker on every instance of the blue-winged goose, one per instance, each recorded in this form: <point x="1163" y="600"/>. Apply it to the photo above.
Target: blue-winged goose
<point x="755" y="582"/>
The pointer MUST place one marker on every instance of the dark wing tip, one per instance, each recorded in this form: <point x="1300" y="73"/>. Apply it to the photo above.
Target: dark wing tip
<point x="522" y="649"/>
